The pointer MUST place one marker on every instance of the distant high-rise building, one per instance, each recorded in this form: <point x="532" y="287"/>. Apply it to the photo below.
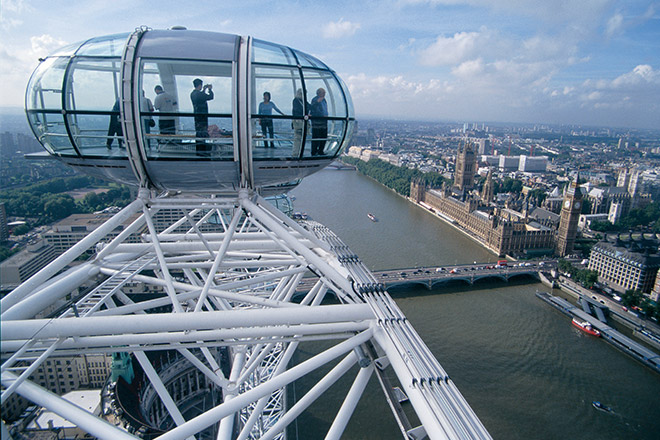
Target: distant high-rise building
<point x="655" y="293"/>
<point x="615" y="212"/>
<point x="569" y="217"/>
<point x="483" y="145"/>
<point x="70" y="230"/>
<point x="7" y="144"/>
<point x="371" y="136"/>
<point x="466" y="166"/>
<point x="531" y="164"/>
<point x="624" y="267"/>
<point x="21" y="266"/>
<point x="509" y="163"/>
<point x="4" y="230"/>
<point x="624" y="178"/>
<point x="636" y="184"/>
<point x="633" y="181"/>
<point x="488" y="190"/>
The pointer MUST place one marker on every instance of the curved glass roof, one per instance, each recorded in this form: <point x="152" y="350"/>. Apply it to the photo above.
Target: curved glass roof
<point x="189" y="110"/>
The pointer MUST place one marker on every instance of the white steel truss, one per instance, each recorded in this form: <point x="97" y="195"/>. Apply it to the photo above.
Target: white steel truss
<point x="231" y="288"/>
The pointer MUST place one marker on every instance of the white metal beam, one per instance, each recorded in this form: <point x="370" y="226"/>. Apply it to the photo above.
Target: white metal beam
<point x="218" y="259"/>
<point x="219" y="412"/>
<point x="26" y="288"/>
<point x="86" y="421"/>
<point x="314" y="393"/>
<point x="232" y="336"/>
<point x="350" y="402"/>
<point x="161" y="390"/>
<point x="51" y="293"/>
<point x="227" y="424"/>
<point x="232" y="296"/>
<point x="110" y="325"/>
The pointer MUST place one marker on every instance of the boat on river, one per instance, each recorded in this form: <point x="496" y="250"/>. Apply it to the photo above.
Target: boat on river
<point x="372" y="217"/>
<point x="586" y="327"/>
<point x="599" y="406"/>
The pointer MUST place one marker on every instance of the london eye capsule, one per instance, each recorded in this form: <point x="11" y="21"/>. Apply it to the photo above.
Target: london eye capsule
<point x="189" y="111"/>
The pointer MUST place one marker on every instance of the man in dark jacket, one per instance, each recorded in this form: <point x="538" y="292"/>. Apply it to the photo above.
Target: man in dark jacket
<point x="199" y="97"/>
<point x="318" y="107"/>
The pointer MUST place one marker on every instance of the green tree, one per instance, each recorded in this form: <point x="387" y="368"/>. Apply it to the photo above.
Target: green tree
<point x="59" y="206"/>
<point x="602" y="226"/>
<point x="92" y="201"/>
<point x="6" y="252"/>
<point x="565" y="266"/>
<point x="587" y="277"/>
<point x="538" y="195"/>
<point x="641" y="217"/>
<point x="509" y="185"/>
<point x="394" y="177"/>
<point x="649" y="308"/>
<point x="632" y="297"/>
<point x="21" y="230"/>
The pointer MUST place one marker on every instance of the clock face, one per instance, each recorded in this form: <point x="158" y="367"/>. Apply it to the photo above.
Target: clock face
<point x="577" y="204"/>
<point x="567" y="203"/>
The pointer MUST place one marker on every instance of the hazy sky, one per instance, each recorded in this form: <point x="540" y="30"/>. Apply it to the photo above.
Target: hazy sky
<point x="593" y="62"/>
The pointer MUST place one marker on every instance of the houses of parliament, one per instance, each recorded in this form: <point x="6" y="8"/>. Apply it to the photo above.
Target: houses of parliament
<point x="501" y="229"/>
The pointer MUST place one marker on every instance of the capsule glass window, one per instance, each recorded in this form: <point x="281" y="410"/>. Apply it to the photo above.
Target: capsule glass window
<point x="44" y="91"/>
<point x="334" y="95"/>
<point x="110" y="45"/>
<point x="51" y="132"/>
<point x="277" y="121"/>
<point x="264" y="52"/>
<point x="174" y="127"/>
<point x="92" y="104"/>
<point x="44" y="106"/>
<point x="307" y="60"/>
<point x="93" y="84"/>
<point x="347" y="97"/>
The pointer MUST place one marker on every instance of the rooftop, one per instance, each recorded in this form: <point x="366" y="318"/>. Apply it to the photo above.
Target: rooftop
<point x="631" y="256"/>
<point x="89" y="400"/>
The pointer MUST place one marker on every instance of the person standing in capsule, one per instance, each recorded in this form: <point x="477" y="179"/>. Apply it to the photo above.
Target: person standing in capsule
<point x="298" y="110"/>
<point x="318" y="110"/>
<point x="266" y="108"/>
<point x="114" y="129"/>
<point x="165" y="103"/>
<point x="201" y="94"/>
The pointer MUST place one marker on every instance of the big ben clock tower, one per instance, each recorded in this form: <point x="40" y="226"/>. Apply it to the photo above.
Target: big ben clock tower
<point x="570" y="214"/>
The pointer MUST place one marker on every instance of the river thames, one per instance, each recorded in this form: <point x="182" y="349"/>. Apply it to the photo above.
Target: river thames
<point x="526" y="372"/>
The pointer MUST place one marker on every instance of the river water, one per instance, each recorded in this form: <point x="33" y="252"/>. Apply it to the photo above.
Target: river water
<point x="526" y="372"/>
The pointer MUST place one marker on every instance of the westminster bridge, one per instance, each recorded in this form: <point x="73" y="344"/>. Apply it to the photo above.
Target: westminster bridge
<point x="432" y="276"/>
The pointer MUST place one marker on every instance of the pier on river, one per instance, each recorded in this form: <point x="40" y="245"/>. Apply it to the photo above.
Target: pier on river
<point x="609" y="334"/>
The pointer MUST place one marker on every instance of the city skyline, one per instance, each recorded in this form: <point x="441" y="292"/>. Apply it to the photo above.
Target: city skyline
<point x="588" y="63"/>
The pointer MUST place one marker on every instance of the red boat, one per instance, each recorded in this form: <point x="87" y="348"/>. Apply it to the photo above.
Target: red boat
<point x="586" y="327"/>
